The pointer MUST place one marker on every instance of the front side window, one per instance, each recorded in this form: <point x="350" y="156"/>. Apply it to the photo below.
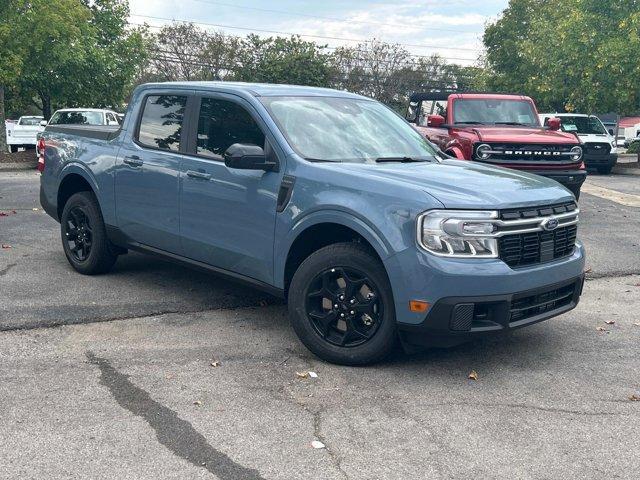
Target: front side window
<point x="76" y="118"/>
<point x="494" y="112"/>
<point x="221" y="124"/>
<point x="340" y="129"/>
<point x="161" y="122"/>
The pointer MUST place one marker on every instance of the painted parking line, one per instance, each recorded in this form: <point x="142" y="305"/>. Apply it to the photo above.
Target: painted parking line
<point x="626" y="199"/>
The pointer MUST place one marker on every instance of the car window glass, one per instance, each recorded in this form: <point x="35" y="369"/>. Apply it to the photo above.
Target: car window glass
<point x="161" y="122"/>
<point x="76" y="118"/>
<point x="30" y="122"/>
<point x="222" y="123"/>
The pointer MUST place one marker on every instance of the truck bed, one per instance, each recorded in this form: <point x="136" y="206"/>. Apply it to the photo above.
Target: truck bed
<point x="100" y="132"/>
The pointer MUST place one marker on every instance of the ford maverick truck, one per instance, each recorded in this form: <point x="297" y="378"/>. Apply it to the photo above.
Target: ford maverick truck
<point x="502" y="130"/>
<point x="328" y="199"/>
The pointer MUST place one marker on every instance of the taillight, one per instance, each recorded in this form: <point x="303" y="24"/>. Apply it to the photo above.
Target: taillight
<point x="41" y="149"/>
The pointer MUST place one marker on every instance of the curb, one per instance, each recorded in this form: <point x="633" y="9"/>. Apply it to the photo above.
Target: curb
<point x="15" y="167"/>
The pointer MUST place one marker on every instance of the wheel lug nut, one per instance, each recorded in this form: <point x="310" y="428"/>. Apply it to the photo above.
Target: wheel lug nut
<point x="352" y="301"/>
<point x="342" y="315"/>
<point x="341" y="297"/>
<point x="352" y="312"/>
<point x="335" y="306"/>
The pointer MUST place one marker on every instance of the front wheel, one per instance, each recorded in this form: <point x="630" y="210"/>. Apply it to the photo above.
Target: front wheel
<point x="13" y="148"/>
<point x="341" y="305"/>
<point x="84" y="237"/>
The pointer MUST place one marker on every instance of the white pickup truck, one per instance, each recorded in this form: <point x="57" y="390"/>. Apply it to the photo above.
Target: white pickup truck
<point x="23" y="133"/>
<point x="599" y="146"/>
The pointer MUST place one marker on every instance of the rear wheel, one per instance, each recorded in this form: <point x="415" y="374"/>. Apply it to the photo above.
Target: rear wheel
<point x="13" y="148"/>
<point x="84" y="237"/>
<point x="341" y="306"/>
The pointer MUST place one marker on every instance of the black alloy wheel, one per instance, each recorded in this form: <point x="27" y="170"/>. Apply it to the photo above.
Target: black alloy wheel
<point x="78" y="234"/>
<point x="344" y="306"/>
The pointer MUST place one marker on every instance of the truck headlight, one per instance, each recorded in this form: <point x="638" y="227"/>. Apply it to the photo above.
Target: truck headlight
<point x="576" y="153"/>
<point x="482" y="152"/>
<point x="458" y="233"/>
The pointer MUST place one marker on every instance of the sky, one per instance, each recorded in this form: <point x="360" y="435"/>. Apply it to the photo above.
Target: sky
<point x="451" y="28"/>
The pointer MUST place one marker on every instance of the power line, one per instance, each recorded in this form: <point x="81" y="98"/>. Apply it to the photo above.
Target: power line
<point x="277" y="32"/>
<point x="320" y="17"/>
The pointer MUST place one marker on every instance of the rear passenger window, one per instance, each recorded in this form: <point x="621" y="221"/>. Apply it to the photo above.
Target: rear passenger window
<point x="161" y="123"/>
<point x="223" y="123"/>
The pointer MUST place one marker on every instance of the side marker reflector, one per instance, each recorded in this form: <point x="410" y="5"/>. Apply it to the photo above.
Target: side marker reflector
<point x="418" y="306"/>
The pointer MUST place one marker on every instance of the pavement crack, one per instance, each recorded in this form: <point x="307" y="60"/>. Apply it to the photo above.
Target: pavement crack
<point x="6" y="269"/>
<point x="176" y="434"/>
<point x="317" y="433"/>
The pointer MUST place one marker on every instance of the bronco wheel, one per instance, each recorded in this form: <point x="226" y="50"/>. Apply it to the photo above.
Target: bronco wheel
<point x="84" y="238"/>
<point x="341" y="306"/>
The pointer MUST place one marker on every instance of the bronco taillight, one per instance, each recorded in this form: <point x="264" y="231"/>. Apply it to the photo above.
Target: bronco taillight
<point x="41" y="149"/>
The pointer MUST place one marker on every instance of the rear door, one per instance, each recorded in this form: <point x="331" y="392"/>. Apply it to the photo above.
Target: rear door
<point x="147" y="172"/>
<point x="227" y="216"/>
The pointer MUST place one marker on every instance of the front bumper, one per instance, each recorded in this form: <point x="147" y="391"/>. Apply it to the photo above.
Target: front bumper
<point x="454" y="320"/>
<point x="593" y="161"/>
<point x="572" y="179"/>
<point x="446" y="282"/>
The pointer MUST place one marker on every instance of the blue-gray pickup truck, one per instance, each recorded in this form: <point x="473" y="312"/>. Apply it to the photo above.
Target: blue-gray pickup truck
<point x="325" y="198"/>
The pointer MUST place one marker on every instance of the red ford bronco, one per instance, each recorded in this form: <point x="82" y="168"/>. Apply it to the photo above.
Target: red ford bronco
<point x="501" y="130"/>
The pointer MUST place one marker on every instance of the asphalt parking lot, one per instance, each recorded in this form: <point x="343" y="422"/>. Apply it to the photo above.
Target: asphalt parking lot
<point x="114" y="377"/>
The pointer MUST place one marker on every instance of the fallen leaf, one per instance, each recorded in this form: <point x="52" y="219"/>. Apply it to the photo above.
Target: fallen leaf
<point x="215" y="363"/>
<point x="609" y="322"/>
<point x="313" y="374"/>
<point x="473" y="375"/>
<point x="5" y="246"/>
<point x="637" y="324"/>
<point x="197" y="403"/>
<point x="634" y="398"/>
<point x="34" y="209"/>
<point x="318" y="444"/>
<point x="602" y="329"/>
<point x="302" y="374"/>
<point x="588" y="270"/>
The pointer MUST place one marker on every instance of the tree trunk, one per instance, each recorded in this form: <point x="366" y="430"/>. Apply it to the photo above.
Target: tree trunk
<point x="3" y="127"/>
<point x="46" y="105"/>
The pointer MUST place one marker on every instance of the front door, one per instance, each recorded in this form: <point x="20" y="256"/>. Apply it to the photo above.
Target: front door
<point x="227" y="216"/>
<point x="147" y="174"/>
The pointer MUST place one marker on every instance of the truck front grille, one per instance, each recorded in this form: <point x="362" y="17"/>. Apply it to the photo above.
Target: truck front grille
<point x="532" y="247"/>
<point x="529" y="153"/>
<point x="597" y="148"/>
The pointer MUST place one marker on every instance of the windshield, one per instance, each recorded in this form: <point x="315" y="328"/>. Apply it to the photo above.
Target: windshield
<point x="30" y="121"/>
<point x="77" y="118"/>
<point x="346" y="130"/>
<point x="494" y="112"/>
<point x="582" y="125"/>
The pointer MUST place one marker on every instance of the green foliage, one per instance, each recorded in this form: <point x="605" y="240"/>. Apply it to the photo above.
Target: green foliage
<point x="574" y="55"/>
<point x="634" y="147"/>
<point x="71" y="52"/>
<point x="282" y="60"/>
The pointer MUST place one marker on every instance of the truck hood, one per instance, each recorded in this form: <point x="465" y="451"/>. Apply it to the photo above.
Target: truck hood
<point x="464" y="184"/>
<point x="521" y="135"/>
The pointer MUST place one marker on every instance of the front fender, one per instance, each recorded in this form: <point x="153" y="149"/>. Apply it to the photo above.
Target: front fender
<point x="345" y="218"/>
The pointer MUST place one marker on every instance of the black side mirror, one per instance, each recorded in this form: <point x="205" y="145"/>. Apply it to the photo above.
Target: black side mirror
<point x="611" y="132"/>
<point x="248" y="157"/>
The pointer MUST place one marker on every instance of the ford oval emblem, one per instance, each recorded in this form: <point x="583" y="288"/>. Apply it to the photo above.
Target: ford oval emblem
<point x="550" y="224"/>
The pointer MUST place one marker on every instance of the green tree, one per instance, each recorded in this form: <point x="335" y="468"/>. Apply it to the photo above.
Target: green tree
<point x="11" y="54"/>
<point x="570" y="55"/>
<point x="282" y="60"/>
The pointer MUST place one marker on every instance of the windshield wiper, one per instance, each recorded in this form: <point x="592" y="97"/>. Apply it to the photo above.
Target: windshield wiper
<point x="400" y="159"/>
<point x="512" y="123"/>
<point x="469" y="123"/>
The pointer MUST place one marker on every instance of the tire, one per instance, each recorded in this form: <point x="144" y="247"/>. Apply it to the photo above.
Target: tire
<point x="13" y="148"/>
<point x="367" y="334"/>
<point x="605" y="170"/>
<point x="84" y="237"/>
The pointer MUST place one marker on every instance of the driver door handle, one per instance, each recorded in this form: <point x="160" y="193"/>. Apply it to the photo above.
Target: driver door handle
<point x="201" y="175"/>
<point x="133" y="160"/>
